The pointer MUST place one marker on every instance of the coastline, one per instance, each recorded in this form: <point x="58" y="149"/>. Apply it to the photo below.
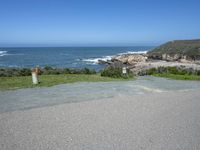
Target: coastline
<point x="62" y="57"/>
<point x="153" y="121"/>
<point x="142" y="66"/>
<point x="136" y="64"/>
<point x="141" y="62"/>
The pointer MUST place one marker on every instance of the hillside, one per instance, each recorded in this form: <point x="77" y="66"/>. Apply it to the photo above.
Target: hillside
<point x="176" y="50"/>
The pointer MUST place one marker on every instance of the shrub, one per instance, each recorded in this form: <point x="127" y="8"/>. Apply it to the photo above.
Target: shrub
<point x="66" y="71"/>
<point x="88" y="71"/>
<point x="24" y="72"/>
<point x="10" y="72"/>
<point x="151" y="71"/>
<point x="115" y="72"/>
<point x="47" y="70"/>
<point x="198" y="72"/>
<point x="48" y="67"/>
<point x="171" y="70"/>
<point x="81" y="71"/>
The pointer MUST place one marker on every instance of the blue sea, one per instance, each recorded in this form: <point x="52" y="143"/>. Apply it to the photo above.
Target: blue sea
<point x="70" y="57"/>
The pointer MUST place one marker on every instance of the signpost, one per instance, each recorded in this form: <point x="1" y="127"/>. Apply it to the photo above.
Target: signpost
<point x="124" y="71"/>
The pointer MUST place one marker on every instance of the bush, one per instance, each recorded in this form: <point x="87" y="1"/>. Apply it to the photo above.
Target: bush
<point x="88" y="71"/>
<point x="10" y="72"/>
<point x="25" y="72"/>
<point x="47" y="70"/>
<point x="66" y="71"/>
<point x="115" y="72"/>
<point x="171" y="70"/>
<point x="198" y="72"/>
<point x="81" y="71"/>
<point x="151" y="71"/>
<point x="48" y="67"/>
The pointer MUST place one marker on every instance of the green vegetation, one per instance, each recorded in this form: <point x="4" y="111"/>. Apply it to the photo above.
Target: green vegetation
<point x="15" y="78"/>
<point x="47" y="70"/>
<point x="179" y="73"/>
<point x="9" y="72"/>
<point x="171" y="70"/>
<point x="188" y="48"/>
<point x="116" y="72"/>
<point x="178" y="77"/>
<point x="50" y="80"/>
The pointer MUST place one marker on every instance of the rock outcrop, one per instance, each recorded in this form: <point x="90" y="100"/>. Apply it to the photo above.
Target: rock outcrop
<point x="130" y="59"/>
<point x="180" y="50"/>
<point x="175" y="53"/>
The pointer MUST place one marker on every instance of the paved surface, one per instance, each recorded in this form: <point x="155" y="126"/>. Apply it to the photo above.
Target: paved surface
<point x="14" y="100"/>
<point x="167" y="121"/>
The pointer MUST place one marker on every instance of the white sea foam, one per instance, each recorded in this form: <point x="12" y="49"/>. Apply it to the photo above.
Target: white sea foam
<point x="3" y="53"/>
<point x="95" y="61"/>
<point x="133" y="52"/>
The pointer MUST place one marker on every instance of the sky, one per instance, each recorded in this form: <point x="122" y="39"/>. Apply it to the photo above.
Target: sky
<point x="97" y="22"/>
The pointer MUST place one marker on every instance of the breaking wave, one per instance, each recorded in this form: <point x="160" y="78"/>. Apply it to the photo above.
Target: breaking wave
<point x="3" y="53"/>
<point x="94" y="61"/>
<point x="133" y="52"/>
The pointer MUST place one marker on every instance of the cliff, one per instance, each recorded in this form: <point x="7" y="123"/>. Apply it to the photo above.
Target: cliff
<point x="178" y="50"/>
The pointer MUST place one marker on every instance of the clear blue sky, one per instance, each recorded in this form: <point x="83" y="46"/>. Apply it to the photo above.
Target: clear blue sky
<point x="97" y="22"/>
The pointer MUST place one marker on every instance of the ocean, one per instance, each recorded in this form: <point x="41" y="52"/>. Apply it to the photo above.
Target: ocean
<point x="68" y="57"/>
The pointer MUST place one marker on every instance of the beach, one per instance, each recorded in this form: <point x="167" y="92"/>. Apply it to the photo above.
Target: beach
<point x="150" y="120"/>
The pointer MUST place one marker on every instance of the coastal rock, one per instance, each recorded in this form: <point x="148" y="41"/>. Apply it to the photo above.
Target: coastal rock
<point x="102" y="62"/>
<point x="174" y="57"/>
<point x="169" y="57"/>
<point x="130" y="59"/>
<point x="171" y="54"/>
<point x="179" y="50"/>
<point x="105" y="62"/>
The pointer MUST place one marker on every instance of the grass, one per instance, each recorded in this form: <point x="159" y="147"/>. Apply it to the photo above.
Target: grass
<point x="9" y="83"/>
<point x="178" y="77"/>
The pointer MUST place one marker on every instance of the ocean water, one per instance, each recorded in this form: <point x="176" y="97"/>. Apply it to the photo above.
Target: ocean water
<point x="71" y="57"/>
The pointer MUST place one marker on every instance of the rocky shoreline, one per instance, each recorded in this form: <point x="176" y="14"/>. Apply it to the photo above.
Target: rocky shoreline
<point x="140" y="62"/>
<point x="179" y="53"/>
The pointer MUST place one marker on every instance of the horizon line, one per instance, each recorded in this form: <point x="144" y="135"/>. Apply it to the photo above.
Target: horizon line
<point x="76" y="46"/>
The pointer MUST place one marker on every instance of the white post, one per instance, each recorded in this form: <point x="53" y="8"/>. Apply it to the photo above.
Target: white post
<point x="34" y="78"/>
<point x="124" y="71"/>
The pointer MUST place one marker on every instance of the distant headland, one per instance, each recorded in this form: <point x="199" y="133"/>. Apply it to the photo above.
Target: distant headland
<point x="178" y="53"/>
